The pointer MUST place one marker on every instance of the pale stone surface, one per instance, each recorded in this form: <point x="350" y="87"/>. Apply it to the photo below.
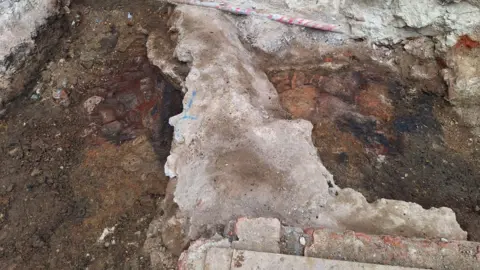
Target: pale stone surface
<point x="194" y="258"/>
<point x="396" y="20"/>
<point x="424" y="72"/>
<point x="418" y="14"/>
<point x="377" y="20"/>
<point x="249" y="162"/>
<point x="351" y="211"/>
<point x="219" y="259"/>
<point x="19" y="21"/>
<point x="357" y="249"/>
<point x="260" y="234"/>
<point x="470" y="115"/>
<point x="91" y="103"/>
<point x="251" y="260"/>
<point x="235" y="155"/>
<point x="422" y="47"/>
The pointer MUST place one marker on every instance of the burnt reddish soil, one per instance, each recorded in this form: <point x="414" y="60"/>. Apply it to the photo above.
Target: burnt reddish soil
<point x="379" y="133"/>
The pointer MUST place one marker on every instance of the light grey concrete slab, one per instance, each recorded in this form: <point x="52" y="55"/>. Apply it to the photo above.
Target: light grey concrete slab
<point x="258" y="234"/>
<point x="252" y="260"/>
<point x="218" y="259"/>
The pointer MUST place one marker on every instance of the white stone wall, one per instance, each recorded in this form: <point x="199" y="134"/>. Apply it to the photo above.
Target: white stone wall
<point x="19" y="20"/>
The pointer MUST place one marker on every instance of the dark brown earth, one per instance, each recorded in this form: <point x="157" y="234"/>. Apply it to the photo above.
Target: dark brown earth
<point x="387" y="135"/>
<point x="67" y="175"/>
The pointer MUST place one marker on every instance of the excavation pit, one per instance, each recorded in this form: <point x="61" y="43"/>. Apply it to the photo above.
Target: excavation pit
<point x="385" y="135"/>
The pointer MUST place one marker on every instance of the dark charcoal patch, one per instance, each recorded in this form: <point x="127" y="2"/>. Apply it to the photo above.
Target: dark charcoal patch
<point x="364" y="130"/>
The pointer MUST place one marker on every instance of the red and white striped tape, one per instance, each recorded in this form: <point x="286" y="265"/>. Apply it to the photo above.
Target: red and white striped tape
<point x="275" y="17"/>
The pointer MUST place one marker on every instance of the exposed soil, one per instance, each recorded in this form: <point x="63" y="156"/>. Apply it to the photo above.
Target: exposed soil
<point x="73" y="169"/>
<point x="386" y="135"/>
<point x="81" y="176"/>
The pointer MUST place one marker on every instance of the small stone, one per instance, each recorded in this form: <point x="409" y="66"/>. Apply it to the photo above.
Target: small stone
<point x="87" y="64"/>
<point x="78" y="18"/>
<point x="87" y="60"/>
<point x="49" y="181"/>
<point x="71" y="53"/>
<point x="14" y="152"/>
<point x="107" y="114"/>
<point x="331" y="66"/>
<point x="258" y="234"/>
<point x="35" y="172"/>
<point x="412" y="91"/>
<point x="109" y="43"/>
<point x="37" y="242"/>
<point x="477" y="208"/>
<point x="129" y="100"/>
<point x="302" y="241"/>
<point x="10" y="187"/>
<point x="3" y="112"/>
<point x="112" y="128"/>
<point x="142" y="30"/>
<point x="41" y="180"/>
<point x="424" y="72"/>
<point x="91" y="103"/>
<point x="35" y="96"/>
<point x="107" y="244"/>
<point x="62" y="83"/>
<point x="173" y="235"/>
<point x="423" y="48"/>
<point x="445" y="240"/>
